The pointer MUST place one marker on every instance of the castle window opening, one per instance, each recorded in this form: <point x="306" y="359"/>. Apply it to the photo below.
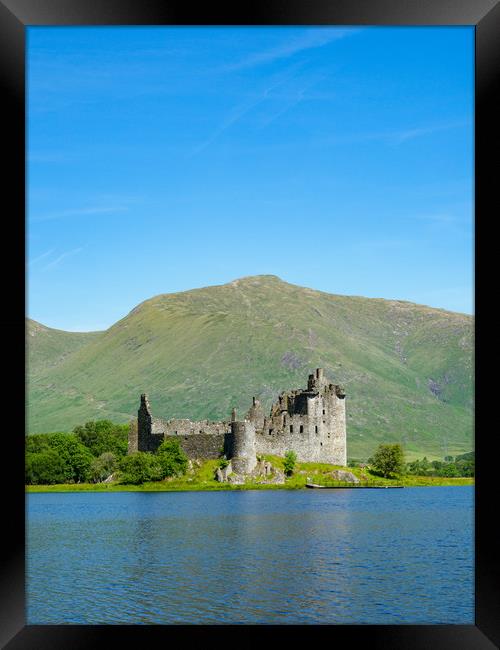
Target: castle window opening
<point x="291" y="428"/>
<point x="323" y="411"/>
<point x="270" y="431"/>
<point x="301" y="430"/>
<point x="316" y="429"/>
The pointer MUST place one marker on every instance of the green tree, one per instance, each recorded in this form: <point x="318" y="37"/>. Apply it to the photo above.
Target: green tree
<point x="414" y="467"/>
<point x="425" y="467"/>
<point x="45" y="468"/>
<point x="173" y="461"/>
<point x="76" y="457"/>
<point x="102" y="467"/>
<point x="289" y="462"/>
<point x="140" y="467"/>
<point x="465" y="468"/>
<point x="449" y="470"/>
<point x="37" y="442"/>
<point x="388" y="460"/>
<point x="102" y="436"/>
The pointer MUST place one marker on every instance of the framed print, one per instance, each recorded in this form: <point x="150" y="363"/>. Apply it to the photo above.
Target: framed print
<point x="243" y="260"/>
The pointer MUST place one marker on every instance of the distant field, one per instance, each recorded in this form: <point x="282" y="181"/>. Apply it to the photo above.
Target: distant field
<point x="407" y="369"/>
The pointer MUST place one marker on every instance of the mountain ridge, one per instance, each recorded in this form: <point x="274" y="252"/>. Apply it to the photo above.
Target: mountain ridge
<point x="407" y="368"/>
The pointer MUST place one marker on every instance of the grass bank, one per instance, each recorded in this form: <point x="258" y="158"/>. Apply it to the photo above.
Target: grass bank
<point x="202" y="478"/>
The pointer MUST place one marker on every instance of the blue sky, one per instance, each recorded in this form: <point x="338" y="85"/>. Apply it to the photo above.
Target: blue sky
<point x="162" y="159"/>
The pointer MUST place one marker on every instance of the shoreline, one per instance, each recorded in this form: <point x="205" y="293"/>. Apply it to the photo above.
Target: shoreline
<point x="170" y="487"/>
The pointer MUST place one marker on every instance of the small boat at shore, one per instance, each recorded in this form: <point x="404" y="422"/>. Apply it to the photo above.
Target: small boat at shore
<point x="352" y="487"/>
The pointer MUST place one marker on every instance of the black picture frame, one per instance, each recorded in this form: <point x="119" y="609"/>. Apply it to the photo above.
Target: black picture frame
<point x="15" y="16"/>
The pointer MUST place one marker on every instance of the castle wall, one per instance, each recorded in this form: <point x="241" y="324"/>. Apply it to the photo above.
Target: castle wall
<point x="199" y="439"/>
<point x="310" y="444"/>
<point x="315" y="431"/>
<point x="339" y="431"/>
<point x="177" y="427"/>
<point x="201" y="445"/>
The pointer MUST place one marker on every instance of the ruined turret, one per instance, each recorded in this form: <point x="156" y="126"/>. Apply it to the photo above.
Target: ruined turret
<point x="256" y="414"/>
<point x="144" y="422"/>
<point x="317" y="380"/>
<point x="243" y="458"/>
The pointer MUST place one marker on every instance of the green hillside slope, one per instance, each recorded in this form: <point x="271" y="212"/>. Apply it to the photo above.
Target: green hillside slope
<point x="47" y="347"/>
<point x="407" y="368"/>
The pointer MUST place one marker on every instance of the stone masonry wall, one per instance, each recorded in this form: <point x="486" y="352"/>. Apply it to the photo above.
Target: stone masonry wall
<point x="309" y="422"/>
<point x="200" y="445"/>
<point x="198" y="439"/>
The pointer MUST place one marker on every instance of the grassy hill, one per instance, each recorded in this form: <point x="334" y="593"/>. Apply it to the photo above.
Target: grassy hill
<point x="407" y="368"/>
<point x="48" y="347"/>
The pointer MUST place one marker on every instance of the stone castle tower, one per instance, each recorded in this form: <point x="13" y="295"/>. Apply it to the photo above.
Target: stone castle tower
<point x="311" y="422"/>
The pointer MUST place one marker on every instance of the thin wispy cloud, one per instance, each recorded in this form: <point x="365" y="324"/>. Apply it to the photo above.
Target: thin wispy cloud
<point x="79" y="212"/>
<point x="61" y="257"/>
<point x="240" y="111"/>
<point x="291" y="100"/>
<point x="402" y="136"/>
<point x="311" y="39"/>
<point x="395" y="137"/>
<point x="236" y="114"/>
<point x="41" y="257"/>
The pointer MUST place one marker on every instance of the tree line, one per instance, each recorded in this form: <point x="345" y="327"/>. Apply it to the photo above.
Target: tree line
<point x="96" y="452"/>
<point x="388" y="461"/>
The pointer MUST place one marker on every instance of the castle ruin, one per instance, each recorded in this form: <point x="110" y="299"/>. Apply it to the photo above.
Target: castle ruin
<point x="311" y="422"/>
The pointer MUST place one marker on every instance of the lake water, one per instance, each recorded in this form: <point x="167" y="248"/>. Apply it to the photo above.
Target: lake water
<point x="310" y="556"/>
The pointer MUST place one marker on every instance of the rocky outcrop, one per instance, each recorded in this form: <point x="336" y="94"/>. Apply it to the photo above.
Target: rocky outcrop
<point x="343" y="475"/>
<point x="222" y="474"/>
<point x="263" y="473"/>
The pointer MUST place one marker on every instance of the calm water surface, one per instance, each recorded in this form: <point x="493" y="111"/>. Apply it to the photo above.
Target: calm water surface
<point x="313" y="556"/>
